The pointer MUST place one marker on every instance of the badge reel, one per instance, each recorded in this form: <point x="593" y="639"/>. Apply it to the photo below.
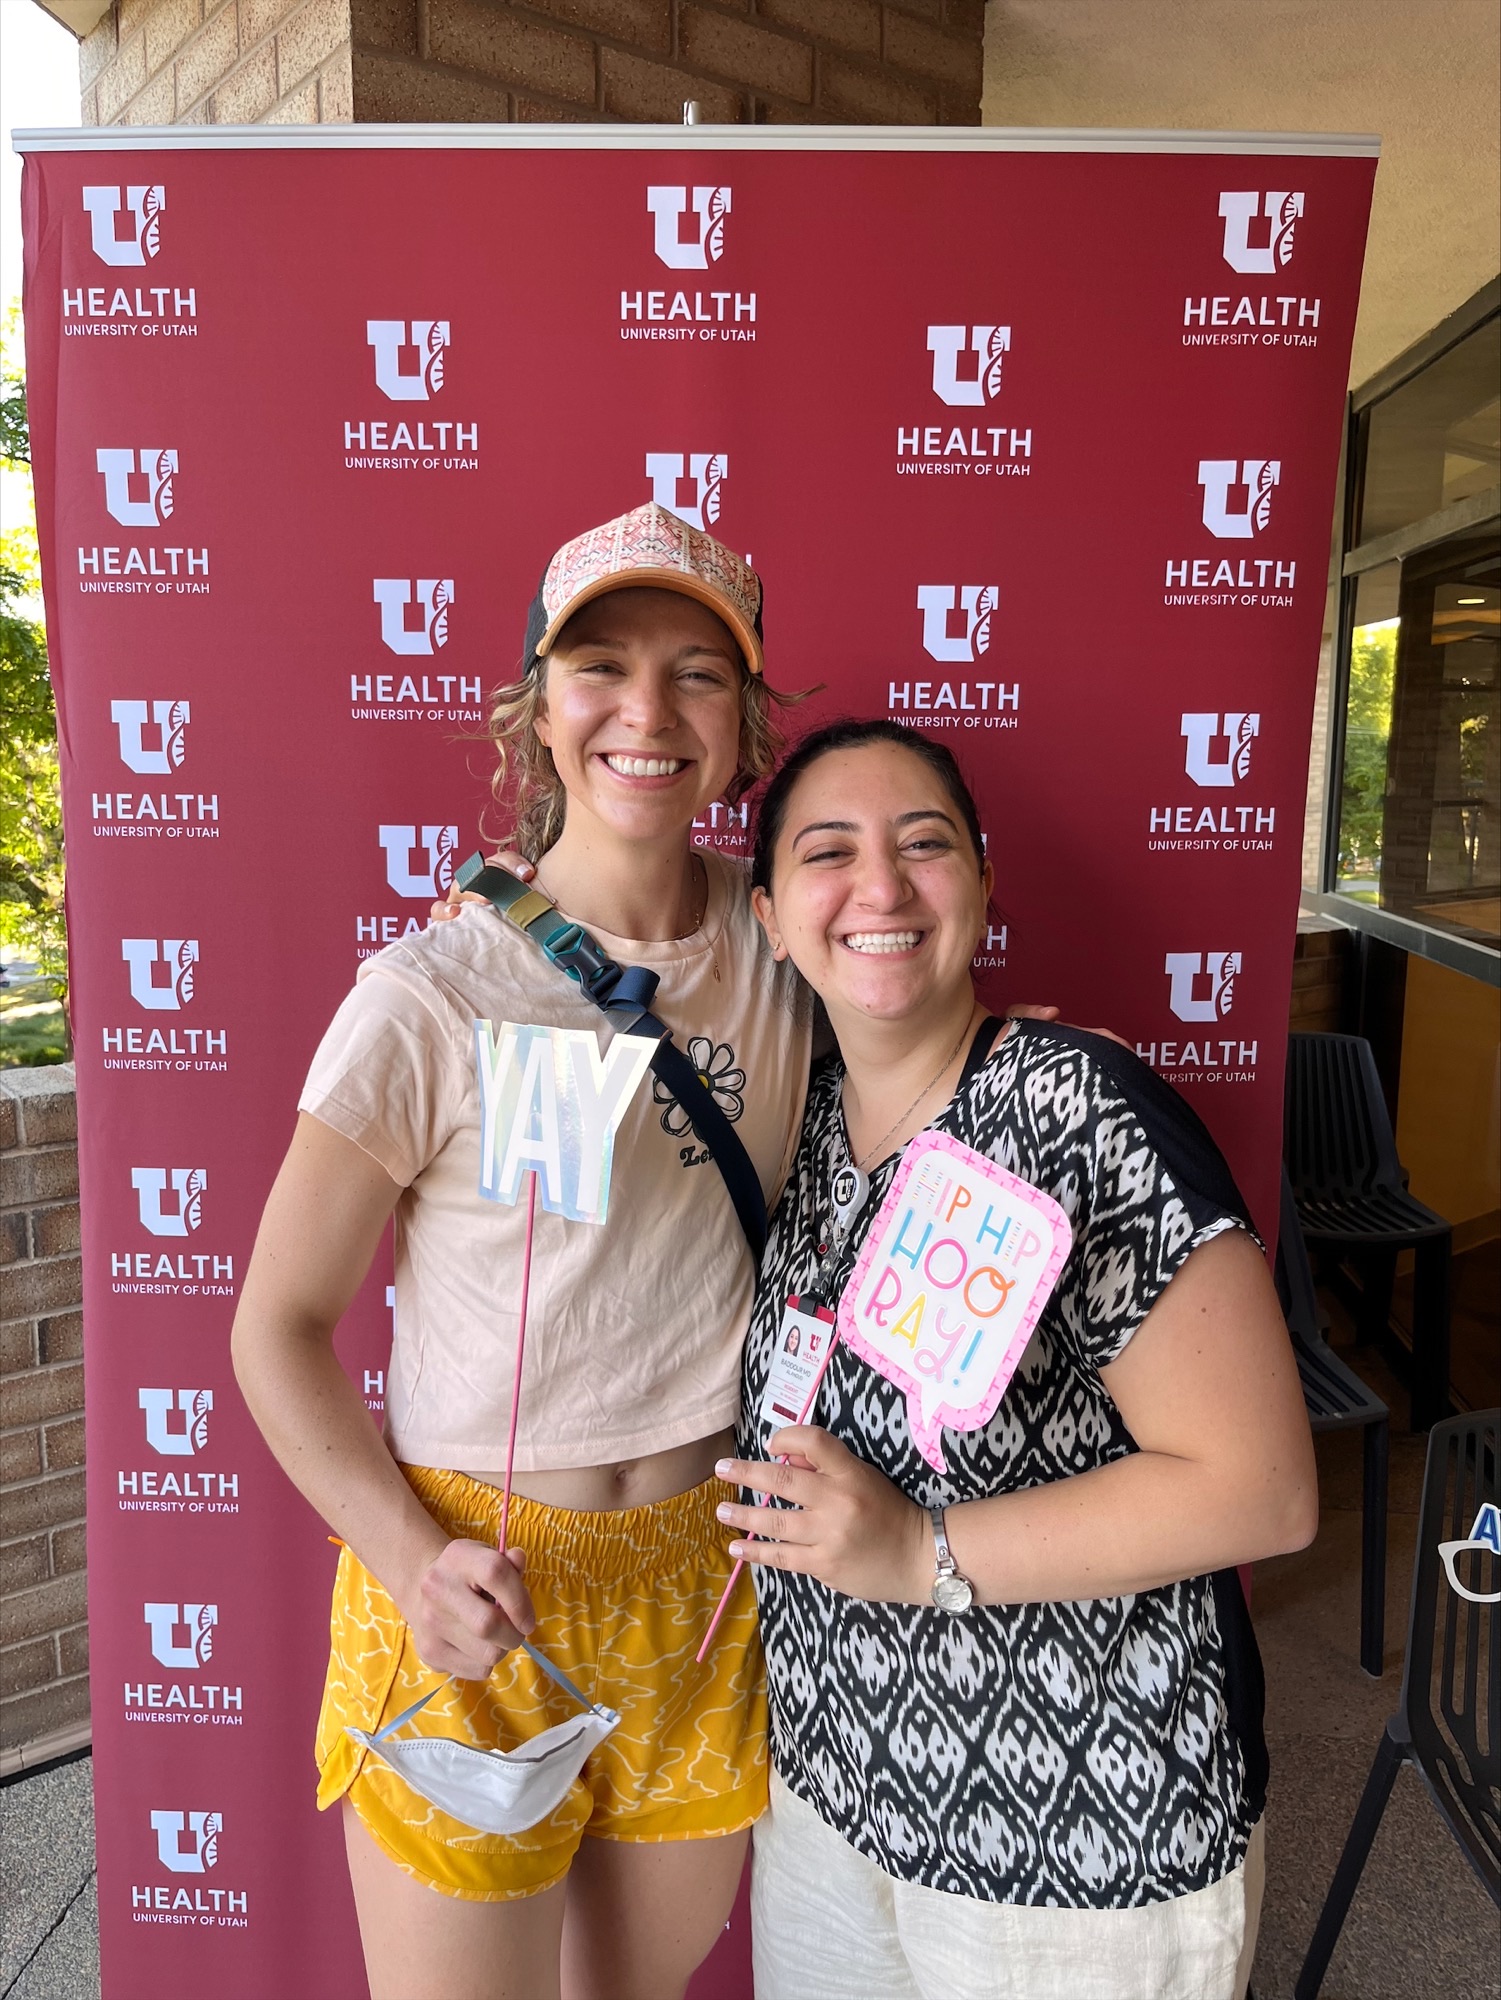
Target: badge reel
<point x="806" y="1337"/>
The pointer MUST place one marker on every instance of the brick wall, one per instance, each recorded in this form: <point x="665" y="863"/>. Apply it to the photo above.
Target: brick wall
<point x="1320" y="959"/>
<point x="815" y="62"/>
<point x="44" y="1642"/>
<point x="218" y="62"/>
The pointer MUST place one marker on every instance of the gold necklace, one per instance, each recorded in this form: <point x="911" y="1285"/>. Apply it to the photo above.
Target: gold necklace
<point x="700" y="894"/>
<point x="700" y="898"/>
<point x="874" y="1152"/>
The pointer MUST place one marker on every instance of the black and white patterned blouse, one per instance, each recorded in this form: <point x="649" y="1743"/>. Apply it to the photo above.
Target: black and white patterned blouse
<point x="1104" y="1754"/>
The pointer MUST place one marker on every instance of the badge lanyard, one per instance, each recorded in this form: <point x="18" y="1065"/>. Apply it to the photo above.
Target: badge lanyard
<point x="805" y="1343"/>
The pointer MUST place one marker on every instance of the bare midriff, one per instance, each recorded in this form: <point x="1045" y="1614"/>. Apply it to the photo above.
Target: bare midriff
<point x="633" y="1482"/>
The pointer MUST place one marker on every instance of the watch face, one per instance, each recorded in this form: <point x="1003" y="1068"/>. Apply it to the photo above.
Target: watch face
<point x="953" y="1592"/>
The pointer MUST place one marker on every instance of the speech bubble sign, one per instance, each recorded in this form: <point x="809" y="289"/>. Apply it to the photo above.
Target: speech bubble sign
<point x="949" y="1284"/>
<point x="551" y="1104"/>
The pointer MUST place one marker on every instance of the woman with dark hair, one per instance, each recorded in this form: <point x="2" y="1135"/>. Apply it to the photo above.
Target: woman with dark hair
<point x="1016" y="1705"/>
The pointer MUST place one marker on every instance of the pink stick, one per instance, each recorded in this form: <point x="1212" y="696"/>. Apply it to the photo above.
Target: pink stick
<point x="723" y="1604"/>
<point x="719" y="1611"/>
<point x="526" y="1279"/>
<point x="762" y="1501"/>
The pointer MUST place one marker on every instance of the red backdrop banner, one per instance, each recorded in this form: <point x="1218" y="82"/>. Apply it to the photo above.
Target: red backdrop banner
<point x="1034" y="443"/>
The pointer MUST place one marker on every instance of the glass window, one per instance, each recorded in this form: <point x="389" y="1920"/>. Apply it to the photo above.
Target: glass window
<point x="1368" y="728"/>
<point x="1420" y="805"/>
<point x="1434" y="440"/>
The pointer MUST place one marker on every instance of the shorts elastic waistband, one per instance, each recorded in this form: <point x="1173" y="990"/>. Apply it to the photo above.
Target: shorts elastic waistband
<point x="601" y="1547"/>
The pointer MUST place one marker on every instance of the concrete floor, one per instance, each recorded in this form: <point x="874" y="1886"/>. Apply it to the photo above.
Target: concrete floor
<point x="1421" y="1927"/>
<point x="49" y="1915"/>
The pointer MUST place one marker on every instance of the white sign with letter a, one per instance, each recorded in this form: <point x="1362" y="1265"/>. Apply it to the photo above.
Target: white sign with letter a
<point x="551" y="1104"/>
<point x="949" y="1285"/>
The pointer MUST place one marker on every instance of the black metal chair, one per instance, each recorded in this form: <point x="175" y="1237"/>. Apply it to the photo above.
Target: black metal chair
<point x="1353" y="1202"/>
<point x="1451" y="1682"/>
<point x="1337" y="1400"/>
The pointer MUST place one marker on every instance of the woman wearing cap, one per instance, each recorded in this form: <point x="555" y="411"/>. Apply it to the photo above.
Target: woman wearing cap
<point x="1016" y="1705"/>
<point x="642" y="702"/>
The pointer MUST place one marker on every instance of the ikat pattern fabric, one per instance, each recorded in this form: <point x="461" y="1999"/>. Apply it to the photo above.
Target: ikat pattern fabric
<point x="1103" y="1754"/>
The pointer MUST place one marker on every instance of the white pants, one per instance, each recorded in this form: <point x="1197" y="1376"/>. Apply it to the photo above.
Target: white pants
<point x="829" y="1923"/>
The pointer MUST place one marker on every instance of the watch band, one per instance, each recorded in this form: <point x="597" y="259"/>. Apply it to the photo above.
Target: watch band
<point x="952" y="1590"/>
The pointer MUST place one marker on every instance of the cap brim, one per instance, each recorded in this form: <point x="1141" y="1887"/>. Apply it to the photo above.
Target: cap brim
<point x="662" y="579"/>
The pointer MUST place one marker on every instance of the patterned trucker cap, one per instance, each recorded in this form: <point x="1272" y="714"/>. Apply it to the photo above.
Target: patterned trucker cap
<point x="652" y="548"/>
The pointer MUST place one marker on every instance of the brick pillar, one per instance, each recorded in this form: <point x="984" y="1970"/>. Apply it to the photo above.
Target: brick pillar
<point x="44" y="1642"/>
<point x="218" y="62"/>
<point x="810" y="62"/>
<point x="1321" y="960"/>
<point x="813" y="62"/>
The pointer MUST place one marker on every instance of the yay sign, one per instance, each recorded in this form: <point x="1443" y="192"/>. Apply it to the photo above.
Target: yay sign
<point x="551" y="1104"/>
<point x="954" y="1273"/>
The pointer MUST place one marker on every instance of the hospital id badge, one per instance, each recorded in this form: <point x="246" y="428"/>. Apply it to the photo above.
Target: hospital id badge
<point x="804" y="1344"/>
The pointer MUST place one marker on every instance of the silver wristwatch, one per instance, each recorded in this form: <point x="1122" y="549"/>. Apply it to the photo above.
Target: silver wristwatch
<point x="952" y="1589"/>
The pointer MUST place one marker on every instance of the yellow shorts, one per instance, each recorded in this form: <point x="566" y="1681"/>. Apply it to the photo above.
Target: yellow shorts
<point x="623" y="1600"/>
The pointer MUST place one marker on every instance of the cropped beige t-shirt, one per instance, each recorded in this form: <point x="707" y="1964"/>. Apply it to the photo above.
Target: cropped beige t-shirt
<point x="635" y="1326"/>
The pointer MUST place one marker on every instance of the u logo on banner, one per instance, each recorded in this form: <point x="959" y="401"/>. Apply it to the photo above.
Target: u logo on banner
<point x="1184" y="970"/>
<point x="150" y="1184"/>
<point x="988" y="344"/>
<point x="937" y="603"/>
<point x="168" y="718"/>
<point x="1239" y="210"/>
<point x="196" y="1620"/>
<point x="433" y="595"/>
<point x="177" y="955"/>
<point x="176" y="1420"/>
<point x="1218" y="475"/>
<point x="1200" y="732"/>
<point x="138" y="498"/>
<point x="203" y="1830"/>
<point x="695" y="253"/>
<point x="428" y="339"/>
<point x="707" y="470"/>
<point x="438" y="844"/>
<point x="143" y="235"/>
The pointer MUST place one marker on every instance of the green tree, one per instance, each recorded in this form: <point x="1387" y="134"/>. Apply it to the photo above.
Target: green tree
<point x="1373" y="660"/>
<point x="31" y="830"/>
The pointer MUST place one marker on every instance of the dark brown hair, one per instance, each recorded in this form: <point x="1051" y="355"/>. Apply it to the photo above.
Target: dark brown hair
<point x="771" y="813"/>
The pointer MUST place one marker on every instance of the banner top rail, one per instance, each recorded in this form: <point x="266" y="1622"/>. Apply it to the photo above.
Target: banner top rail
<point x="690" y="138"/>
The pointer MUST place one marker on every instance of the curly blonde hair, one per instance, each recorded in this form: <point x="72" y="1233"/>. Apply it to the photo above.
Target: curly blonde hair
<point x="537" y="795"/>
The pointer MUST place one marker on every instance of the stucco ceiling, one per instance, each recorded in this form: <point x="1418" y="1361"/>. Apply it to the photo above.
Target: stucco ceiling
<point x="1425" y="75"/>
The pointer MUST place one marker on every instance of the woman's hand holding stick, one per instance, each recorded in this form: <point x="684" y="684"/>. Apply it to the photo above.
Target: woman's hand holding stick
<point x="844" y="1522"/>
<point x="1223" y="1471"/>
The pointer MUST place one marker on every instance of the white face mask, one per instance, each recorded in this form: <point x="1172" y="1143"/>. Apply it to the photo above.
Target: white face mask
<point x="495" y="1791"/>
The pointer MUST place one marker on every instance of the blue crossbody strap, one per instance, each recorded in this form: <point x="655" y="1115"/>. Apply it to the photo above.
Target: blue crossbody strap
<point x="625" y="993"/>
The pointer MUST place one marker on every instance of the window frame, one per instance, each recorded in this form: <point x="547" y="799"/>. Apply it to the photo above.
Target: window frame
<point x="1351" y="561"/>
